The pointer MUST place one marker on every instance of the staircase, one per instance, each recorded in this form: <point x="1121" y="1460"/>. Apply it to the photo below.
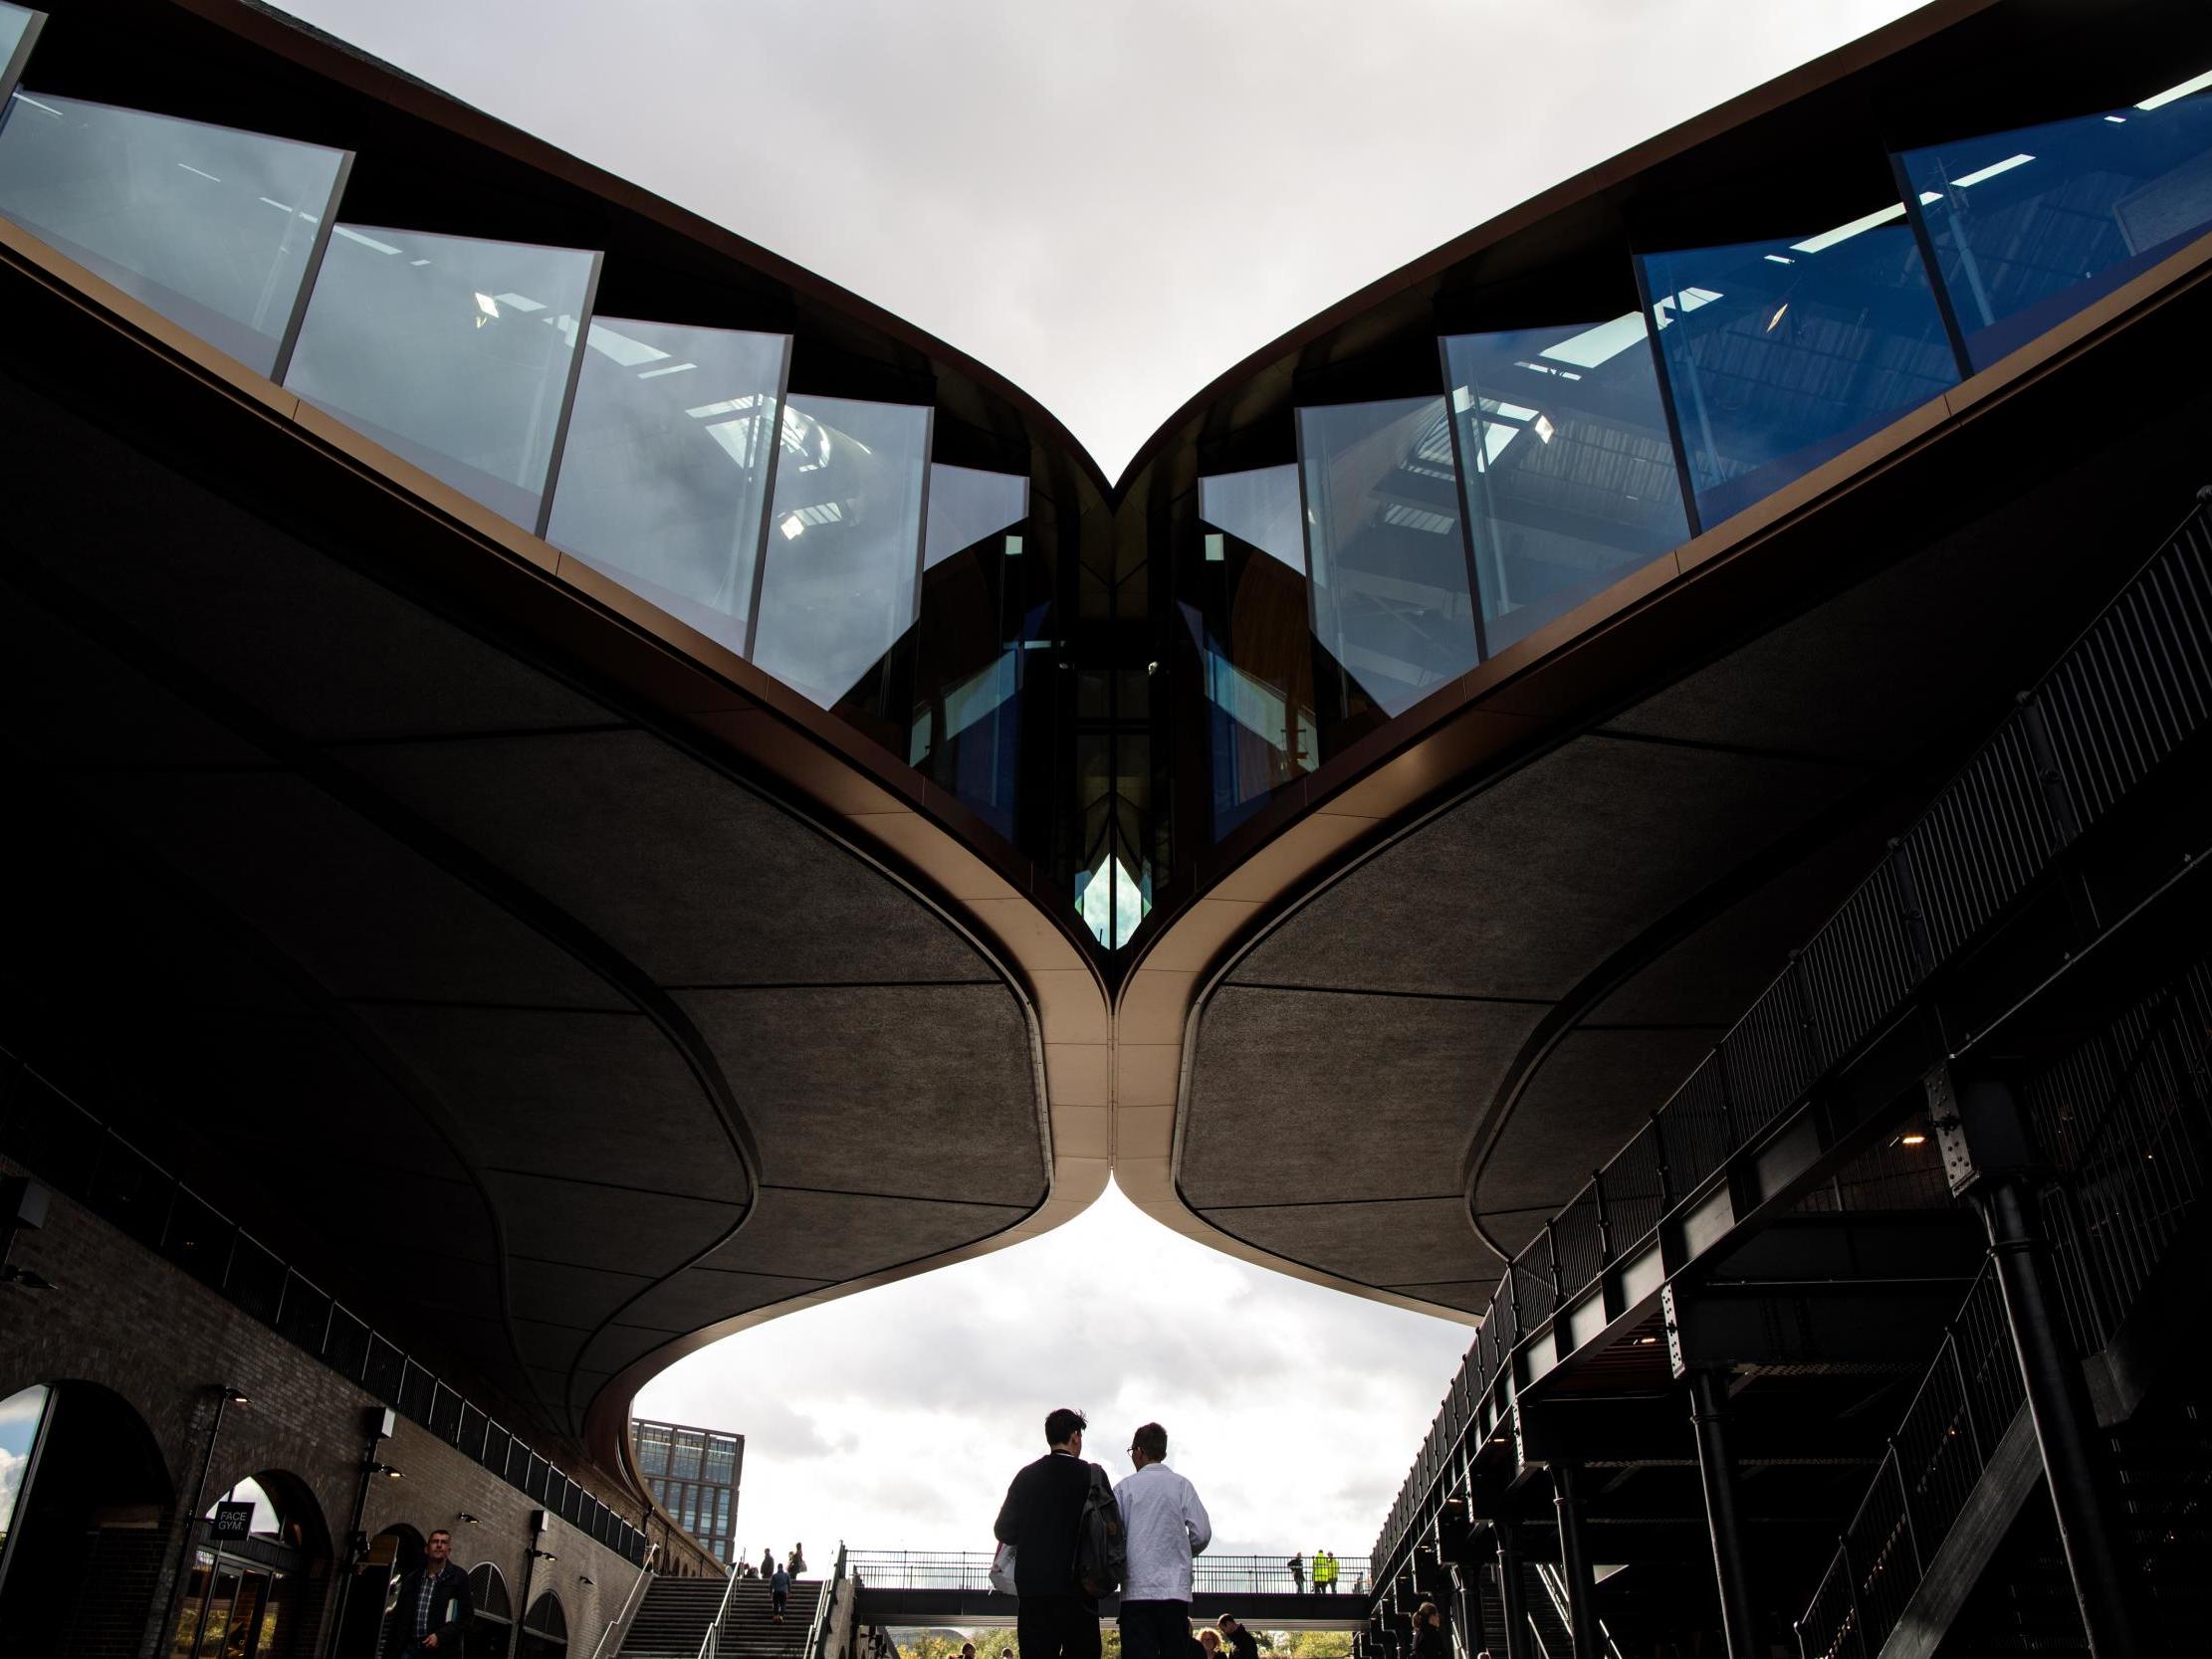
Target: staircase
<point x="673" y="1619"/>
<point x="1554" y="1640"/>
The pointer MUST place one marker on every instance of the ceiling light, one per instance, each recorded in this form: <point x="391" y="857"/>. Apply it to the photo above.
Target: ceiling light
<point x="365" y="241"/>
<point x="792" y="527"/>
<point x="2158" y="101"/>
<point x="2117" y="121"/>
<point x="487" y="305"/>
<point x="1544" y="428"/>
<point x="1914" y="1139"/>
<point x="188" y="168"/>
<point x="1777" y="317"/>
<point x="1829" y="239"/>
<point x="671" y="368"/>
<point x="1777" y="259"/>
<point x="1992" y="170"/>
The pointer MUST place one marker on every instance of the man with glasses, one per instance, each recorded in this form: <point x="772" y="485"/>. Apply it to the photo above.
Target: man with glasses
<point x="431" y="1616"/>
<point x="1165" y="1524"/>
<point x="1042" y="1511"/>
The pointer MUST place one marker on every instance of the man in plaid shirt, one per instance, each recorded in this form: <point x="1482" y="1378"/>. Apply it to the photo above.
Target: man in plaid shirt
<point x="431" y="1617"/>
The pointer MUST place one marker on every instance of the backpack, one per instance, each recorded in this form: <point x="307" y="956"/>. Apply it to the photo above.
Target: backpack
<point x="1101" y="1553"/>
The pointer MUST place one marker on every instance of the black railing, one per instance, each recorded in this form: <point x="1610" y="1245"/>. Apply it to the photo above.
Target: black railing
<point x="66" y="1147"/>
<point x="2128" y="692"/>
<point x="2121" y="1123"/>
<point x="970" y="1570"/>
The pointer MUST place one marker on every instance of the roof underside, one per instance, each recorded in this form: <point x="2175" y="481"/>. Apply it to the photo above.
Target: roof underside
<point x="484" y="999"/>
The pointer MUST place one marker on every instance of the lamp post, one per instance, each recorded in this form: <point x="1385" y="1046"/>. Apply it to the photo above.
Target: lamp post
<point x="225" y="1398"/>
<point x="381" y="1421"/>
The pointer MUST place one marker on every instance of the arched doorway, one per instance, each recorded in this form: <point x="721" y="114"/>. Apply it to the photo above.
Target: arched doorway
<point x="492" y="1632"/>
<point x="256" y="1555"/>
<point x="88" y="1496"/>
<point x="545" y="1630"/>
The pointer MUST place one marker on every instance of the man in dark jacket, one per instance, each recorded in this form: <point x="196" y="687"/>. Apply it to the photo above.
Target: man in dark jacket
<point x="1044" y="1509"/>
<point x="1243" y="1644"/>
<point x="430" y="1620"/>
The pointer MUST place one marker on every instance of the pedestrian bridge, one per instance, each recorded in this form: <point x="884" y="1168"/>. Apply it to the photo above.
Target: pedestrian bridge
<point x="953" y="1587"/>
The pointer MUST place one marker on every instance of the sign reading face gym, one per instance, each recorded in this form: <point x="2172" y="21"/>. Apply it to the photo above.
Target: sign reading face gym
<point x="232" y="1520"/>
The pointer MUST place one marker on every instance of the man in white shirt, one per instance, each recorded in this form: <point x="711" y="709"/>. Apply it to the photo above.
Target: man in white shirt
<point x="1164" y="1524"/>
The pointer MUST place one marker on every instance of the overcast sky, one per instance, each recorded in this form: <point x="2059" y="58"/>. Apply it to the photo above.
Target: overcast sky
<point x="1110" y="203"/>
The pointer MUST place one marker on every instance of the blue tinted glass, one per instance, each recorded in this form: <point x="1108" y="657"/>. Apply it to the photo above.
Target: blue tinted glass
<point x="2030" y="226"/>
<point x="972" y="656"/>
<point x="452" y="352"/>
<point x="1781" y="355"/>
<point x="1567" y="464"/>
<point x="845" y="545"/>
<point x="1249" y="617"/>
<point x="210" y="227"/>
<point x="1391" y="605"/>
<point x="664" y="478"/>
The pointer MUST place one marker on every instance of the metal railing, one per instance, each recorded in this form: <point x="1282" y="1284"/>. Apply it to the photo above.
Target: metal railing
<point x="1555" y="1590"/>
<point x="73" y="1151"/>
<point x="825" y="1606"/>
<point x="968" y="1570"/>
<point x="2123" y="698"/>
<point x="710" y="1643"/>
<point x="2121" y="1121"/>
<point x="622" y="1614"/>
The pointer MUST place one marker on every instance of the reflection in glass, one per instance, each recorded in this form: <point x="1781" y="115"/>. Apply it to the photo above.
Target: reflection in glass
<point x="1391" y="598"/>
<point x="1249" y="617"/>
<point x="972" y="649"/>
<point x="16" y="39"/>
<point x="214" y="229"/>
<point x="454" y="353"/>
<point x="844" y="546"/>
<point x="1781" y="355"/>
<point x="664" y="478"/>
<point x="1567" y="465"/>
<point x="1114" y="878"/>
<point x="21" y="1416"/>
<point x="2030" y="226"/>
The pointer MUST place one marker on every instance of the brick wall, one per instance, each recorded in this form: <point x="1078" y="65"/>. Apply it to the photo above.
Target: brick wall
<point x="127" y="1319"/>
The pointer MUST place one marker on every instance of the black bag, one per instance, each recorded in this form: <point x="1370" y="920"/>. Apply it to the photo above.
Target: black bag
<point x="1101" y="1553"/>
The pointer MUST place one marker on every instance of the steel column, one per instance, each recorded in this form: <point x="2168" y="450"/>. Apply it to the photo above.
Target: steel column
<point x="1716" y="1464"/>
<point x="2058" y="1400"/>
<point x="1512" y="1604"/>
<point x="1574" y="1563"/>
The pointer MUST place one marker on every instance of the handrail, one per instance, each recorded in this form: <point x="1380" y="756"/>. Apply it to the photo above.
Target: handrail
<point x="710" y="1643"/>
<point x="629" y="1602"/>
<point x="1555" y="1588"/>
<point x="817" y="1632"/>
<point x="1921" y="906"/>
<point x="970" y="1570"/>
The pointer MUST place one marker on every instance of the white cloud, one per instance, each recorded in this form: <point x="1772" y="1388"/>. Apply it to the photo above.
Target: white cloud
<point x="895" y="1419"/>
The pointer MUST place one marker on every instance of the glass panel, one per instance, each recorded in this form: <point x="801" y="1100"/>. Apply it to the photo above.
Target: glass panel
<point x="664" y="478"/>
<point x="1567" y="466"/>
<point x="685" y="1464"/>
<point x="21" y="1413"/>
<point x="2030" y="226"/>
<point x="15" y="26"/>
<point x="845" y="543"/>
<point x="1389" y="570"/>
<point x="1249" y="618"/>
<point x="1780" y="355"/>
<point x="652" y="1449"/>
<point x="212" y="228"/>
<point x="971" y="657"/>
<point x="245" y="1611"/>
<point x="451" y="352"/>
<point x="193" y="1611"/>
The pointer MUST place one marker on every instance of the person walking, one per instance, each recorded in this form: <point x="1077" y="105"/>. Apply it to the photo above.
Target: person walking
<point x="1040" y="1514"/>
<point x="780" y="1591"/>
<point x="767" y="1563"/>
<point x="797" y="1563"/>
<point x="431" y="1616"/>
<point x="1297" y="1565"/>
<point x="1429" y="1642"/>
<point x="1243" y="1644"/>
<point x="1166" y="1526"/>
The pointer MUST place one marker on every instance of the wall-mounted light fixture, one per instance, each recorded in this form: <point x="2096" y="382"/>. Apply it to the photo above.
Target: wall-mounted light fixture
<point x="466" y="1519"/>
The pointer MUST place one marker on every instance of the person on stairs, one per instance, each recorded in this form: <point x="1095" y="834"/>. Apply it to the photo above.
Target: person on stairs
<point x="779" y="1590"/>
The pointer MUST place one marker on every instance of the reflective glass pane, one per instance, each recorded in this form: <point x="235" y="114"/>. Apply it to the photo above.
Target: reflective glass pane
<point x="452" y="352"/>
<point x="1780" y="355"/>
<point x="1389" y="570"/>
<point x="1568" y="468"/>
<point x="664" y="478"/>
<point x="1247" y="614"/>
<point x="2030" y="226"/>
<point x="15" y="28"/>
<point x="845" y="545"/>
<point x="21" y="1414"/>
<point x="972" y="657"/>
<point x="210" y="227"/>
